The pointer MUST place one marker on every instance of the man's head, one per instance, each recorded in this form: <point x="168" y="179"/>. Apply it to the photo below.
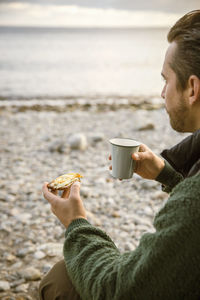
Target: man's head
<point x="181" y="71"/>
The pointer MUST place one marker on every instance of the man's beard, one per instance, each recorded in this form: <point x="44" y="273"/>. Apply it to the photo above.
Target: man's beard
<point x="178" y="117"/>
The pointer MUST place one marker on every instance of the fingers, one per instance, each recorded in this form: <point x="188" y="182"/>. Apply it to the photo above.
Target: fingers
<point x="110" y="158"/>
<point x="140" y="156"/>
<point x="143" y="148"/>
<point x="55" y="192"/>
<point x="65" y="193"/>
<point x="75" y="190"/>
<point x="49" y="196"/>
<point x="143" y="153"/>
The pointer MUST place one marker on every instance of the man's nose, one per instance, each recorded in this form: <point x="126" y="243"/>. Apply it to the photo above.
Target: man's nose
<point x="163" y="93"/>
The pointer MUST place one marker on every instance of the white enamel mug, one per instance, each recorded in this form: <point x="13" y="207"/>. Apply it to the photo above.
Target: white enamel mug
<point x="121" y="151"/>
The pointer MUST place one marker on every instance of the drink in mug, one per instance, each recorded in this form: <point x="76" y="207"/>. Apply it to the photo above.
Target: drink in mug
<point x="121" y="151"/>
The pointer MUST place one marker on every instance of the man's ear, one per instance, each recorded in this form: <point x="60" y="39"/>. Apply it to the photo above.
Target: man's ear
<point x="193" y="89"/>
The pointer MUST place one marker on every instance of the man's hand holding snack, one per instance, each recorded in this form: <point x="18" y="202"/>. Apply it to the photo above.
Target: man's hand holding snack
<point x="69" y="206"/>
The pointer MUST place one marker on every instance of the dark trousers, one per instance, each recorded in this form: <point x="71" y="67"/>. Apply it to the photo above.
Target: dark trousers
<point x="56" y="285"/>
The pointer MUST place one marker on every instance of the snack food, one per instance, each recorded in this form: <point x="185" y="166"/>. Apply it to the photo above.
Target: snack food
<point x="64" y="181"/>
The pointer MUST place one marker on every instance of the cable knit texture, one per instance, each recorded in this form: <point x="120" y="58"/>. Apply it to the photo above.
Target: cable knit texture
<point x="165" y="265"/>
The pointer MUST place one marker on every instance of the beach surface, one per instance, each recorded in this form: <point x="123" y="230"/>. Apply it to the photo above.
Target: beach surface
<point x="40" y="143"/>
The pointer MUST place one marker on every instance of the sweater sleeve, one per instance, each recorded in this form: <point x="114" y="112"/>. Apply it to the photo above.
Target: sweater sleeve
<point x="165" y="265"/>
<point x="169" y="178"/>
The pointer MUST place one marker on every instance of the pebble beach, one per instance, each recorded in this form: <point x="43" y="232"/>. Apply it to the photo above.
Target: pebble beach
<point x="39" y="143"/>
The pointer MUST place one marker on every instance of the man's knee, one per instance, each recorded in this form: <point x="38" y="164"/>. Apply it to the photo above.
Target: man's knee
<point x="56" y="285"/>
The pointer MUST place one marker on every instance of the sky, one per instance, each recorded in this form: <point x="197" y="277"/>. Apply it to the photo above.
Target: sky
<point x="94" y="13"/>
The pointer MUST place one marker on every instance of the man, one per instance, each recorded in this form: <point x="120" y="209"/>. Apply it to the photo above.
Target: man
<point x="166" y="264"/>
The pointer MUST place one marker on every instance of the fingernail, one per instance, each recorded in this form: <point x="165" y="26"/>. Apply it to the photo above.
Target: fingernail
<point x="136" y="155"/>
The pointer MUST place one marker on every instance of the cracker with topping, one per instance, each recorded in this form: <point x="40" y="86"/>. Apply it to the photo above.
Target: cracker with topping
<point x="64" y="181"/>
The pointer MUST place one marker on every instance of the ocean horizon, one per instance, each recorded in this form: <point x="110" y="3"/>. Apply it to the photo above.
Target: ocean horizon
<point x="66" y="63"/>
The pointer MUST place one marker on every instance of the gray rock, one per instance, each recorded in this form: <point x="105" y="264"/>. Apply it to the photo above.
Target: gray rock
<point x="78" y="141"/>
<point x="30" y="274"/>
<point x="24" y="251"/>
<point x="10" y="258"/>
<point x="46" y="268"/>
<point x="39" y="255"/>
<point x="17" y="265"/>
<point x="23" y="217"/>
<point x="3" y="195"/>
<point x="52" y="249"/>
<point x="85" y="192"/>
<point x="57" y="146"/>
<point x="93" y="219"/>
<point x="22" y="288"/>
<point x="97" y="137"/>
<point x="4" y="286"/>
<point x="129" y="246"/>
<point x="15" y="283"/>
<point x="149" y="126"/>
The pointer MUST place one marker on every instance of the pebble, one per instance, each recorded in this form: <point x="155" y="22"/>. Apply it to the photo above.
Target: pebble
<point x="149" y="126"/>
<point x="32" y="236"/>
<point x="129" y="246"/>
<point x="57" y="146"/>
<point x="78" y="141"/>
<point x="93" y="219"/>
<point x="97" y="137"/>
<point x="30" y="274"/>
<point x="4" y="286"/>
<point x="52" y="249"/>
<point x="39" y="255"/>
<point x="23" y="217"/>
<point x="22" y="288"/>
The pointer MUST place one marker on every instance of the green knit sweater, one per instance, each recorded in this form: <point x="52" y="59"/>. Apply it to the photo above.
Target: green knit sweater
<point x="165" y="265"/>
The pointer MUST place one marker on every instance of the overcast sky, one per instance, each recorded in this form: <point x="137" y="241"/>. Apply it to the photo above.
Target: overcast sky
<point x="101" y="13"/>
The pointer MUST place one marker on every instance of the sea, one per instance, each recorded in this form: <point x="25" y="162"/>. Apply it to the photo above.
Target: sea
<point x="66" y="63"/>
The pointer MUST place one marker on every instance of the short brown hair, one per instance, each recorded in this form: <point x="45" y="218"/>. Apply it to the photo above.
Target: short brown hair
<point x="186" y="60"/>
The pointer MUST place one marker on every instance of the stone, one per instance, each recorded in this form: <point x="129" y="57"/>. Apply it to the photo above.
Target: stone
<point x="85" y="192"/>
<point x="93" y="219"/>
<point x="3" y="196"/>
<point x="46" y="268"/>
<point x="17" y="265"/>
<point x="15" y="283"/>
<point x="115" y="214"/>
<point x="159" y="195"/>
<point x="97" y="137"/>
<point x="39" y="255"/>
<point x="23" y="217"/>
<point x="149" y="126"/>
<point x="22" y="288"/>
<point x="30" y="274"/>
<point x="78" y="141"/>
<point x="52" y="249"/>
<point x="24" y="251"/>
<point x="129" y="246"/>
<point x="57" y="146"/>
<point x="10" y="258"/>
<point x="4" y="286"/>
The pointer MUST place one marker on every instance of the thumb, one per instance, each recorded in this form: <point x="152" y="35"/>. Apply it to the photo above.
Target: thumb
<point x="75" y="190"/>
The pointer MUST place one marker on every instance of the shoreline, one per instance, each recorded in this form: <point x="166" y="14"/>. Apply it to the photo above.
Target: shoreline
<point x="95" y="104"/>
